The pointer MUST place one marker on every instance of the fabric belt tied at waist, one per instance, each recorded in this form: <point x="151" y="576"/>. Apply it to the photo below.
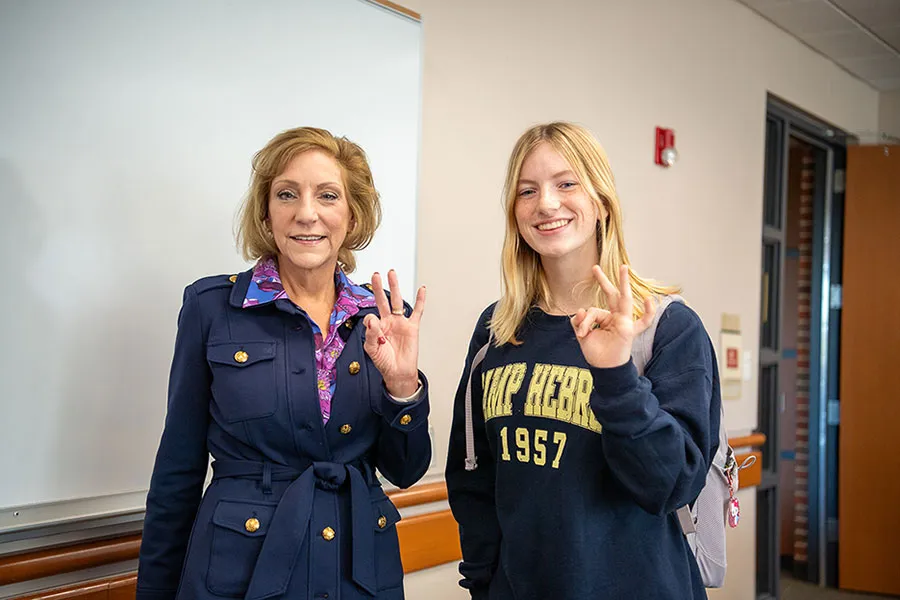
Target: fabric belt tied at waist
<point x="290" y="523"/>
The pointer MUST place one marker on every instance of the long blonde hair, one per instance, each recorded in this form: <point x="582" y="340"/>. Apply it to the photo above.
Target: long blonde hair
<point x="524" y="280"/>
<point x="253" y="236"/>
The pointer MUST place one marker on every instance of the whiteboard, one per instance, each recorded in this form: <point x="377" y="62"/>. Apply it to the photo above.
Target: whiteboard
<point x="126" y="134"/>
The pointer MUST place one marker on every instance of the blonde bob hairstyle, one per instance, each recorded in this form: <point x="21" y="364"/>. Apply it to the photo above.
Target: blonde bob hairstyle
<point x="254" y="237"/>
<point x="524" y="280"/>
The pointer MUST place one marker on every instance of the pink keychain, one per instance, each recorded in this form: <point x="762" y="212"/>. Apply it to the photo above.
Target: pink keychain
<point x="734" y="506"/>
<point x="734" y="511"/>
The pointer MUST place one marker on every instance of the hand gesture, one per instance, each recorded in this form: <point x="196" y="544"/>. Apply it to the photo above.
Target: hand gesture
<point x="392" y="339"/>
<point x="606" y="335"/>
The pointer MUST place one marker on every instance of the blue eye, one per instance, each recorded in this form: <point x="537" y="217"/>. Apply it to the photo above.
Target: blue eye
<point x="285" y="195"/>
<point x="525" y="193"/>
<point x="330" y="196"/>
<point x="568" y="184"/>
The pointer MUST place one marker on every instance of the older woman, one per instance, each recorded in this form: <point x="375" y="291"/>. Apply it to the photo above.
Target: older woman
<point x="300" y="384"/>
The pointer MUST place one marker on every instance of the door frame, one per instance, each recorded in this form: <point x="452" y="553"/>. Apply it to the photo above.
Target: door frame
<point x="824" y="347"/>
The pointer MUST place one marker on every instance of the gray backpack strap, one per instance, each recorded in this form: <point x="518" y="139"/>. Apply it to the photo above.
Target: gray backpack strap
<point x="471" y="459"/>
<point x="642" y="347"/>
<point x="686" y="520"/>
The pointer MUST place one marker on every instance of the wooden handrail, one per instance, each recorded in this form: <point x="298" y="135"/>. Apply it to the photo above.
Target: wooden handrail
<point x="419" y="494"/>
<point x="44" y="563"/>
<point x="754" y="440"/>
<point x="115" y="587"/>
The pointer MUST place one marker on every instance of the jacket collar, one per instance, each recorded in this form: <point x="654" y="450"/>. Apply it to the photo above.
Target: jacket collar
<point x="261" y="284"/>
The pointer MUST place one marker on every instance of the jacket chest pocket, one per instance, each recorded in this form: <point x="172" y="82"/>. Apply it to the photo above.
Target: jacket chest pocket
<point x="238" y="534"/>
<point x="243" y="379"/>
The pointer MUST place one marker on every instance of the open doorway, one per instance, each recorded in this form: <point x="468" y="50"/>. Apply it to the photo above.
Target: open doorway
<point x="805" y="161"/>
<point x="799" y="346"/>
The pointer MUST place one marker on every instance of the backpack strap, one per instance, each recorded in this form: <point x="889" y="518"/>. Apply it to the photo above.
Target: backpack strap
<point x="471" y="459"/>
<point x="686" y="520"/>
<point x="642" y="347"/>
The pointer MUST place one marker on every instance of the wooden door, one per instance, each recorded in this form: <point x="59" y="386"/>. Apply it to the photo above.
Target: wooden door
<point x="869" y="451"/>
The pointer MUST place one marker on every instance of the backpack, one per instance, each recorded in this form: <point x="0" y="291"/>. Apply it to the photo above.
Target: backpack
<point x="704" y="523"/>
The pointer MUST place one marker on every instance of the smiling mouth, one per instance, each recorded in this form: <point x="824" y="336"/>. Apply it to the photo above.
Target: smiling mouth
<point x="307" y="238"/>
<point x="553" y="225"/>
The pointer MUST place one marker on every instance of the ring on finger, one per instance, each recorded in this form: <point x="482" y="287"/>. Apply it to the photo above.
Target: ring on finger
<point x="396" y="311"/>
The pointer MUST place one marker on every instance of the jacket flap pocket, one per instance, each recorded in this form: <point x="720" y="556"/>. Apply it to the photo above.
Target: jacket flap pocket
<point x="248" y="518"/>
<point x="240" y="354"/>
<point x="386" y="514"/>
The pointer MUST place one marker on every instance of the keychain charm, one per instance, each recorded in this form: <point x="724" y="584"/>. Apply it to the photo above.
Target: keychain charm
<point x="734" y="512"/>
<point x="734" y="506"/>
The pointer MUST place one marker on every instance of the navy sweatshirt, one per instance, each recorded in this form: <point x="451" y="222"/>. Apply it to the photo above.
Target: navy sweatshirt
<point x="580" y="470"/>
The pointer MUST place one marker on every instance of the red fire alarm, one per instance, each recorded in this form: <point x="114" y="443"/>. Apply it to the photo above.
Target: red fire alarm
<point x="666" y="155"/>
<point x="732" y="358"/>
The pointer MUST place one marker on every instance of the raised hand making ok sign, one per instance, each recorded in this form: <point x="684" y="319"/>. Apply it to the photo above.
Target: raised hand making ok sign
<point x="606" y="335"/>
<point x="392" y="338"/>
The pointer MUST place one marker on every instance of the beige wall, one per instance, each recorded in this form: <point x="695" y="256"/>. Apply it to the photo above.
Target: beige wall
<point x="703" y="67"/>
<point x="437" y="583"/>
<point x="889" y="113"/>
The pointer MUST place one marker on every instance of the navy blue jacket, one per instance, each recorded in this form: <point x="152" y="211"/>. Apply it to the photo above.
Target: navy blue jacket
<point x="295" y="509"/>
<point x="580" y="469"/>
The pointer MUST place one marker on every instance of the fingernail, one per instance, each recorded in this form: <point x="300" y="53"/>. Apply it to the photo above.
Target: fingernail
<point x="382" y="340"/>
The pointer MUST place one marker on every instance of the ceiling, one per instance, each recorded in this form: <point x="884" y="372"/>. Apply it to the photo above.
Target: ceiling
<point x="862" y="36"/>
